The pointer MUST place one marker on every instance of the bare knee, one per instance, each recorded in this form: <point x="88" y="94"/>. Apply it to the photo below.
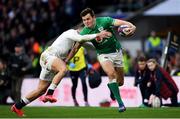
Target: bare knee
<point x="63" y="70"/>
<point x="111" y="74"/>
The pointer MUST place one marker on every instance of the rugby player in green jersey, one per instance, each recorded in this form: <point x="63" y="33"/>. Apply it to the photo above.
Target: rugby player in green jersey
<point x="109" y="49"/>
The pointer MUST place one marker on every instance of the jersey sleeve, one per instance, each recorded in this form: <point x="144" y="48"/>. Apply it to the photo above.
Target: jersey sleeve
<point x="108" y="20"/>
<point x="77" y="37"/>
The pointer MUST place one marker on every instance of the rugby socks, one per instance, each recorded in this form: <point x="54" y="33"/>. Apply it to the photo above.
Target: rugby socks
<point x="113" y="86"/>
<point x="23" y="102"/>
<point x="51" y="89"/>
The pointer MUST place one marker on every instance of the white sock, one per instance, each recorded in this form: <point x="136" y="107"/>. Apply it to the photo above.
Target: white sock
<point x="112" y="81"/>
<point x="25" y="100"/>
<point x="52" y="86"/>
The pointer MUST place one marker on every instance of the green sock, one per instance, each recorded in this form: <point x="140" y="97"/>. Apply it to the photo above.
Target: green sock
<point x="114" y="88"/>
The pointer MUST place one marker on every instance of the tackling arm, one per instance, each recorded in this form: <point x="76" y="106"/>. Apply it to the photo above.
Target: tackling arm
<point x="73" y="52"/>
<point x="81" y="38"/>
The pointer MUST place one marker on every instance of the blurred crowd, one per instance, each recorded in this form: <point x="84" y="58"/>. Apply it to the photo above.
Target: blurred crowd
<point x="154" y="48"/>
<point x="32" y="23"/>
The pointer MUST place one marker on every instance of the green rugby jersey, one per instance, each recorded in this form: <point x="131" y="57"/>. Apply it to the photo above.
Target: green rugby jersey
<point x="105" y="46"/>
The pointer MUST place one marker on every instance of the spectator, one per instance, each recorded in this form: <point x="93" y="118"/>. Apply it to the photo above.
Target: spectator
<point x="162" y="84"/>
<point x="19" y="64"/>
<point x="142" y="76"/>
<point x="78" y="68"/>
<point x="127" y="63"/>
<point x="154" y="46"/>
<point x="176" y="70"/>
<point x="44" y="20"/>
<point x="5" y="83"/>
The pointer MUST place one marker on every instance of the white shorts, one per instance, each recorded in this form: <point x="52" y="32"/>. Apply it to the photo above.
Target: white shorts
<point x="46" y="61"/>
<point x="116" y="58"/>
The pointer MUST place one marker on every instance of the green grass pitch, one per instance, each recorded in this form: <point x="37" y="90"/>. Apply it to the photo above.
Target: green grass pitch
<point x="91" y="112"/>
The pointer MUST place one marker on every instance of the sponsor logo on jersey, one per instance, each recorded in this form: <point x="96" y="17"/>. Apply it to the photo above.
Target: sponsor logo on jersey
<point x="101" y="28"/>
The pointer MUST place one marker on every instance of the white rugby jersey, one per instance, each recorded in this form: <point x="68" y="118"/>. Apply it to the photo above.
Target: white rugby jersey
<point x="62" y="45"/>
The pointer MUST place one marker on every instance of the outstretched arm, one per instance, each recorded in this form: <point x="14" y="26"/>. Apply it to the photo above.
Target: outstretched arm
<point x="101" y="35"/>
<point x="73" y="52"/>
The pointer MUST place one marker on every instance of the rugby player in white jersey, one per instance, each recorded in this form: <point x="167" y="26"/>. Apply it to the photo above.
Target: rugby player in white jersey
<point x="54" y="67"/>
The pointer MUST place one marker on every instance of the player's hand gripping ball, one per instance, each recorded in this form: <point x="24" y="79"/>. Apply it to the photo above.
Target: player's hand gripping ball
<point x="124" y="30"/>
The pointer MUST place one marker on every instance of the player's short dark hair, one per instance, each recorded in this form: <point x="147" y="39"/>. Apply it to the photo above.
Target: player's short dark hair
<point x="87" y="11"/>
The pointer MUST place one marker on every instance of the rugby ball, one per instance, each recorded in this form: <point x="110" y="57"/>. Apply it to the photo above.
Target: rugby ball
<point x="156" y="102"/>
<point x="122" y="30"/>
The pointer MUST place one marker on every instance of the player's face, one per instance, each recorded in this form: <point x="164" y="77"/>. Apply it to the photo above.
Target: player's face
<point x="88" y="21"/>
<point x="142" y="65"/>
<point x="151" y="66"/>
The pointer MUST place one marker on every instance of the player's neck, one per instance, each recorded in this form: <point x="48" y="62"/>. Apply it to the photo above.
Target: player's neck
<point x="93" y="26"/>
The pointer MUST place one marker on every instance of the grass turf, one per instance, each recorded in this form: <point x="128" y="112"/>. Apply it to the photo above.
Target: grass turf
<point x="91" y="112"/>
